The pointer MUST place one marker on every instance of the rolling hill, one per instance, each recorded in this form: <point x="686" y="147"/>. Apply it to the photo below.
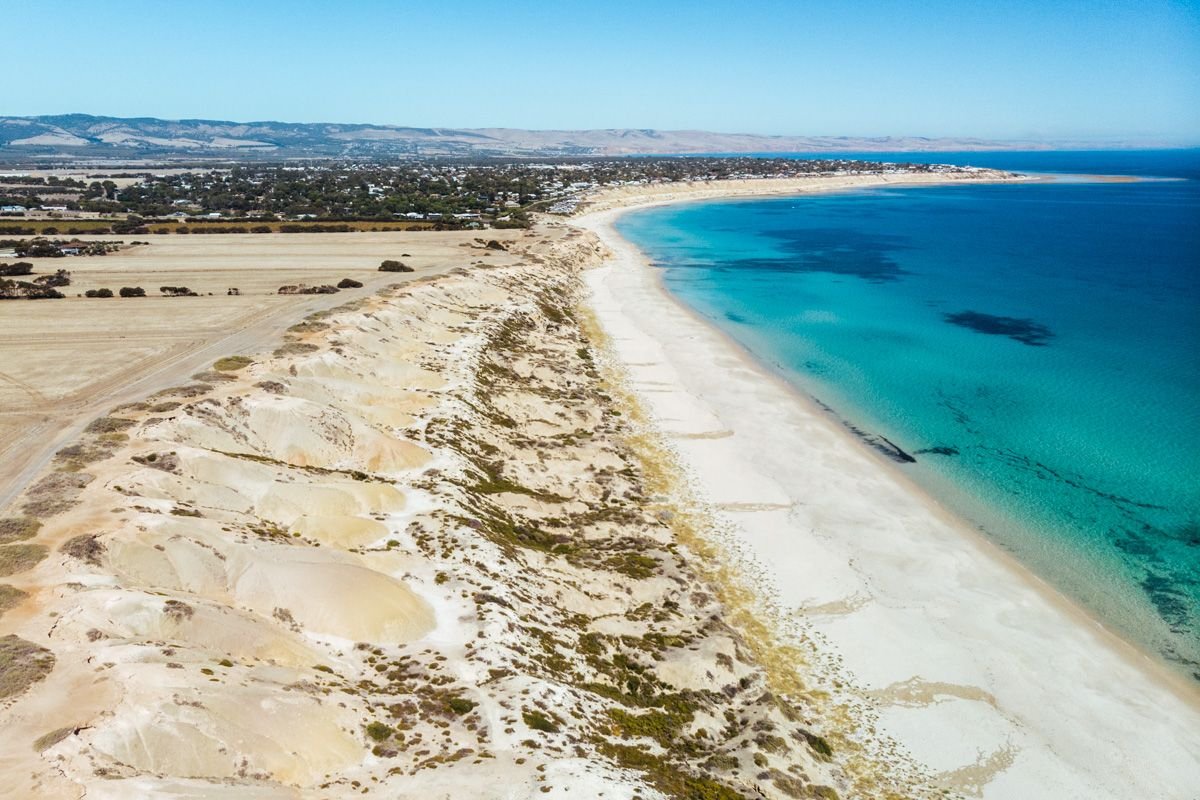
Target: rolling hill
<point x="86" y="136"/>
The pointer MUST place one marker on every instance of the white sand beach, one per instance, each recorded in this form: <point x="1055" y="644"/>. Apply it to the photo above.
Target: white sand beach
<point x="992" y="681"/>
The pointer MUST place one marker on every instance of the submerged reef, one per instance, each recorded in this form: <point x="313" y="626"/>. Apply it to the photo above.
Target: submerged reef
<point x="1023" y="330"/>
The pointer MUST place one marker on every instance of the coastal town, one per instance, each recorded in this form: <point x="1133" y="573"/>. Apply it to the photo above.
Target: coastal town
<point x="443" y="194"/>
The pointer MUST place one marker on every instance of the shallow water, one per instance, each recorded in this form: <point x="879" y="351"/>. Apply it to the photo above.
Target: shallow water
<point x="1033" y="347"/>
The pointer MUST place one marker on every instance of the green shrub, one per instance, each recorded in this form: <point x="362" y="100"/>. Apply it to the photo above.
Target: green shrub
<point x="539" y="721"/>
<point x="818" y="744"/>
<point x="461" y="705"/>
<point x="378" y="731"/>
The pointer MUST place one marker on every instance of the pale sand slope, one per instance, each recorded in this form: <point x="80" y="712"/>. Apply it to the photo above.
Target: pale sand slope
<point x="412" y="553"/>
<point x="64" y="361"/>
<point x="990" y="679"/>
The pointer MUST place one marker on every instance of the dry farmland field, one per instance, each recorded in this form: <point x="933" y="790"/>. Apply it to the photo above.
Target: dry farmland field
<point x="65" y="362"/>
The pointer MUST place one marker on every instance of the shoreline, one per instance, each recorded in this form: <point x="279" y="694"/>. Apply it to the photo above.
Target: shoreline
<point x="1188" y="691"/>
<point x="421" y="532"/>
<point x="992" y="775"/>
<point x="434" y="531"/>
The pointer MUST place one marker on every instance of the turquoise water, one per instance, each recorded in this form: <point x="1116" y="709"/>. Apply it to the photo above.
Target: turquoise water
<point x="1035" y="349"/>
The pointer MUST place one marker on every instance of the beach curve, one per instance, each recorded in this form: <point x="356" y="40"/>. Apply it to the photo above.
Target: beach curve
<point x="992" y="680"/>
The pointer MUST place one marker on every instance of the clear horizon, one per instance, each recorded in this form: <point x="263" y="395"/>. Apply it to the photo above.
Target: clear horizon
<point x="1117" y="72"/>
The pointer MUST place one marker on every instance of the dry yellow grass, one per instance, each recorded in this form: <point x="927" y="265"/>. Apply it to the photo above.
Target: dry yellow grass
<point x="16" y="529"/>
<point x="10" y="597"/>
<point x="16" y="558"/>
<point x="22" y="664"/>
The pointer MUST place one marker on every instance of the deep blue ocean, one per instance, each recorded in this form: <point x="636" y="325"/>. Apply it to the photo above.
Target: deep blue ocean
<point x="1035" y="348"/>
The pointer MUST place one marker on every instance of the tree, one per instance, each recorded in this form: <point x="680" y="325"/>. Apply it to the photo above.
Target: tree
<point x="59" y="278"/>
<point x="18" y="268"/>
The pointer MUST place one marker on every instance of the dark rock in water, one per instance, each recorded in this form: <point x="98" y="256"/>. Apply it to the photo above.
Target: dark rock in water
<point x="890" y="449"/>
<point x="940" y="450"/>
<point x="1020" y="329"/>
<point x="732" y="317"/>
<point x="1187" y="534"/>
<point x="833" y="251"/>
<point x="883" y="445"/>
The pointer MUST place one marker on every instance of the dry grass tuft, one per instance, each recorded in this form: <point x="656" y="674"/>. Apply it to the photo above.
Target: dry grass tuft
<point x="110" y="425"/>
<point x="16" y="558"/>
<point x="10" y="597"/>
<point x="17" y="529"/>
<point x="22" y="664"/>
<point x="232" y="363"/>
<point x="55" y="493"/>
<point x="86" y="547"/>
<point x="48" y="740"/>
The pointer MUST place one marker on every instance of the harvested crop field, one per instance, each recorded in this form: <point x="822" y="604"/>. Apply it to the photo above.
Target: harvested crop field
<point x="64" y="362"/>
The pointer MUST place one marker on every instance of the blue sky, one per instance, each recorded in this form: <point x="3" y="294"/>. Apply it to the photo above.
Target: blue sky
<point x="1003" y="69"/>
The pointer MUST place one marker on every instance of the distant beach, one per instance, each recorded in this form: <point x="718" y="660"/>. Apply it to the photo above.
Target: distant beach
<point x="988" y="677"/>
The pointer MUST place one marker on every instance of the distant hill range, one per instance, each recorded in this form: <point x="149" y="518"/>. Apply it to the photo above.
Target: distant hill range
<point x="82" y="136"/>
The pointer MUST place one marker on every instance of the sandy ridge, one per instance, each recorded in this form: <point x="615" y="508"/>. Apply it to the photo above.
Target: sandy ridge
<point x="418" y="551"/>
